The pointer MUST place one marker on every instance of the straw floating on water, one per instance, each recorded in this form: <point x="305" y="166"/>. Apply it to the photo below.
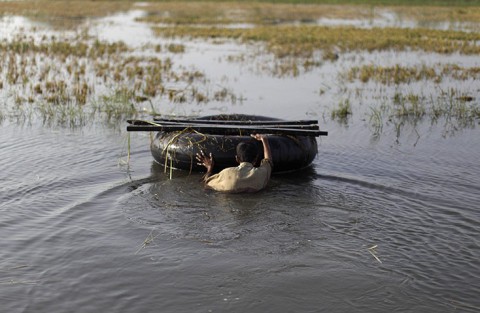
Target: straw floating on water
<point x="372" y="252"/>
<point x="147" y="240"/>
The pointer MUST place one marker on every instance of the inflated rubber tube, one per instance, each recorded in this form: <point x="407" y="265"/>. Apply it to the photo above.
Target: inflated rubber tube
<point x="178" y="149"/>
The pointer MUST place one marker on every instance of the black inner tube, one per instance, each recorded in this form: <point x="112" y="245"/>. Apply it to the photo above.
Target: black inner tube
<point x="178" y="149"/>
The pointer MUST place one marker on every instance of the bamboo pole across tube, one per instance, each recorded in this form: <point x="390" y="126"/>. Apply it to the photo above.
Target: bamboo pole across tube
<point x="235" y="122"/>
<point x="231" y="130"/>
<point x="194" y="124"/>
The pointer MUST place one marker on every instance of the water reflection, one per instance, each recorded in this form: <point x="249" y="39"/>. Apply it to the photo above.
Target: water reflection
<point x="181" y="207"/>
<point x="337" y="207"/>
<point x="123" y="27"/>
<point x="411" y="129"/>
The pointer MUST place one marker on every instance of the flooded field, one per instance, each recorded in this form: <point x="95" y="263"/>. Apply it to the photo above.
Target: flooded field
<point x="386" y="218"/>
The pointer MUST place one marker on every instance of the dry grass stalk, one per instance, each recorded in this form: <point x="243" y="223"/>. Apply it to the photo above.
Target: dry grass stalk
<point x="373" y="253"/>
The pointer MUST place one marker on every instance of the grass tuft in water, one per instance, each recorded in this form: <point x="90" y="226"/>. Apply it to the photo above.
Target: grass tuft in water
<point x="117" y="105"/>
<point x="397" y="74"/>
<point x="408" y="105"/>
<point x="343" y="110"/>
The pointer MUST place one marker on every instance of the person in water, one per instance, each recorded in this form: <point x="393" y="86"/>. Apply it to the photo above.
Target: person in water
<point x="245" y="177"/>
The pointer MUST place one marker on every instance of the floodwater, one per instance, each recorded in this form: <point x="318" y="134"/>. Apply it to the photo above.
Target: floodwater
<point x="379" y="222"/>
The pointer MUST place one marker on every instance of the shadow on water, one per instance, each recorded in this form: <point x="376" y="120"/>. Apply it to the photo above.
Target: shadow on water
<point x="181" y="208"/>
<point x="295" y="210"/>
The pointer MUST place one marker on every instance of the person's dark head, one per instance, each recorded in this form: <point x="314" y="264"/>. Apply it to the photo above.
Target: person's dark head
<point x="247" y="152"/>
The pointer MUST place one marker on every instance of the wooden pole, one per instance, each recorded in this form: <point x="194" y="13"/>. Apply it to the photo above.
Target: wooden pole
<point x="236" y="122"/>
<point x="239" y="130"/>
<point x="193" y="125"/>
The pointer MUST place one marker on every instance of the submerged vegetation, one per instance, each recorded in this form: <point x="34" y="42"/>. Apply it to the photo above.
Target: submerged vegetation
<point x="343" y="111"/>
<point x="60" y="76"/>
<point x="303" y="41"/>
<point x="261" y="13"/>
<point x="452" y="103"/>
<point x="451" y="109"/>
<point x="63" y="8"/>
<point x="293" y="34"/>
<point x="400" y="74"/>
<point x="62" y="13"/>
<point x="276" y="12"/>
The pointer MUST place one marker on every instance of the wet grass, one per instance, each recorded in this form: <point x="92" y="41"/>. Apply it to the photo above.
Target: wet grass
<point x="354" y="2"/>
<point x="453" y="103"/>
<point x="62" y="13"/>
<point x="303" y="41"/>
<point x="72" y="79"/>
<point x="298" y="49"/>
<point x="267" y="13"/>
<point x="290" y="31"/>
<point x="260" y="13"/>
<point x="401" y="97"/>
<point x="402" y="74"/>
<point x="451" y="107"/>
<point x="176" y="48"/>
<point x="63" y="8"/>
<point x="67" y="79"/>
<point x="343" y="110"/>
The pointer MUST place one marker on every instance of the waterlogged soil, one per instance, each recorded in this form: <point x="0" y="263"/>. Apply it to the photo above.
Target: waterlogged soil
<point x="385" y="219"/>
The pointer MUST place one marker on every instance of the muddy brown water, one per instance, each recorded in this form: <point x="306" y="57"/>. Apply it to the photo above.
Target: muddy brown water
<point x="385" y="221"/>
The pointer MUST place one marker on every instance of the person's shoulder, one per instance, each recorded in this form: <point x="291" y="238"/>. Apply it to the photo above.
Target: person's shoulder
<point x="228" y="169"/>
<point x="223" y="172"/>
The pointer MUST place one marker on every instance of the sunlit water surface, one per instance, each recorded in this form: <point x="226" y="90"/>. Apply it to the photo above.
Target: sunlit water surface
<point x="384" y="222"/>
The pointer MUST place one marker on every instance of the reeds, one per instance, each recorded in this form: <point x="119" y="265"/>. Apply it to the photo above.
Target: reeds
<point x="291" y="30"/>
<point x="397" y="74"/>
<point x="57" y="74"/>
<point x="392" y="86"/>
<point x="296" y="47"/>
<point x="227" y="12"/>
<point x="343" y="110"/>
<point x="70" y="79"/>
<point x="302" y="41"/>
<point x="62" y="13"/>
<point x="452" y="106"/>
<point x="264" y="13"/>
